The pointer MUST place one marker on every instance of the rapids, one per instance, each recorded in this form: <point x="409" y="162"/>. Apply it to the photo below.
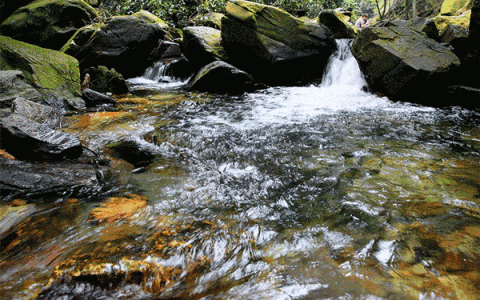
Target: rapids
<point x="317" y="192"/>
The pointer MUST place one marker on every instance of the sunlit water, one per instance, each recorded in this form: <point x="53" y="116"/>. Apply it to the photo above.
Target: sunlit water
<point x="318" y="192"/>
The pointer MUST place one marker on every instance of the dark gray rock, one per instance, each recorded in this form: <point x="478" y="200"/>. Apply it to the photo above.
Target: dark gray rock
<point x="29" y="140"/>
<point x="202" y="45"/>
<point x="43" y="114"/>
<point x="221" y="77"/>
<point x="273" y="46"/>
<point x="47" y="180"/>
<point x="404" y="64"/>
<point x="335" y="21"/>
<point x="124" y="43"/>
<point x="138" y="152"/>
<point x="13" y="85"/>
<point x="94" y="98"/>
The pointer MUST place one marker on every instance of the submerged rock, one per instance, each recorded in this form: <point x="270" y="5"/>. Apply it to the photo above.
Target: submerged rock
<point x="273" y="46"/>
<point x="403" y="63"/>
<point x="30" y="140"/>
<point x="135" y="151"/>
<point x="47" y="180"/>
<point x="94" y="98"/>
<point x="220" y="77"/>
<point x="48" y="23"/>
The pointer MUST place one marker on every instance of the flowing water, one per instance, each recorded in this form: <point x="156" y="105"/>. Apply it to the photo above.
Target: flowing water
<point x="318" y="192"/>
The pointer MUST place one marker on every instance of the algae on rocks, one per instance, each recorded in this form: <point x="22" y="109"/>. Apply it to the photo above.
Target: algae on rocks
<point x="274" y="46"/>
<point x="53" y="73"/>
<point x="48" y="23"/>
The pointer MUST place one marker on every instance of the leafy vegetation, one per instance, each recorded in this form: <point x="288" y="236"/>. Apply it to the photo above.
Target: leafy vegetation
<point x="178" y="12"/>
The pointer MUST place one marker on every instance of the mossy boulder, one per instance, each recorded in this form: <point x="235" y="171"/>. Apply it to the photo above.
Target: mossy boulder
<point x="273" y="46"/>
<point x="124" y="43"/>
<point x="220" y="77"/>
<point x="455" y="7"/>
<point x="213" y="20"/>
<point x="48" y="23"/>
<point x="104" y="80"/>
<point x="202" y="45"/>
<point x="403" y="63"/>
<point x="335" y="21"/>
<point x="53" y="73"/>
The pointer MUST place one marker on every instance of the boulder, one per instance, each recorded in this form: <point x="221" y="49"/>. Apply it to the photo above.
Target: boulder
<point x="52" y="73"/>
<point x="403" y="63"/>
<point x="94" y="98"/>
<point x="135" y="151"/>
<point x="13" y="86"/>
<point x="335" y="21"/>
<point x="202" y="45"/>
<point x="220" y="77"/>
<point x="213" y="20"/>
<point x="167" y="49"/>
<point x="48" y="23"/>
<point x="123" y="43"/>
<point x="105" y="80"/>
<point x="43" y="114"/>
<point x="47" y="180"/>
<point x="273" y="46"/>
<point x="29" y="140"/>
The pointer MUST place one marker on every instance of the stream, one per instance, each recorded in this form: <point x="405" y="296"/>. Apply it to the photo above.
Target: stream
<point x="317" y="192"/>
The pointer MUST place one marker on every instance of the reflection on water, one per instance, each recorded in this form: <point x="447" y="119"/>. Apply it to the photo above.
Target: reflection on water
<point x="319" y="192"/>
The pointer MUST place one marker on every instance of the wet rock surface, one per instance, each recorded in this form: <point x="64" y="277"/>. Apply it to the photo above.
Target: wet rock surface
<point x="30" y="140"/>
<point x="44" y="181"/>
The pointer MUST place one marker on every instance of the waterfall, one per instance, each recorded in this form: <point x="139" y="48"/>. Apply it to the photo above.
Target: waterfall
<point x="157" y="77"/>
<point x="342" y="68"/>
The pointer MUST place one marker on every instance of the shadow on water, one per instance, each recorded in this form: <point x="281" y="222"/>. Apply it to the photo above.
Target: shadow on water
<point x="319" y="192"/>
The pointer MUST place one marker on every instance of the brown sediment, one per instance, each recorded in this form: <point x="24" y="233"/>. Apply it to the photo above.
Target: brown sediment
<point x="117" y="207"/>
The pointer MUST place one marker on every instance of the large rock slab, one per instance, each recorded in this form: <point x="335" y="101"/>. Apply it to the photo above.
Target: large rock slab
<point x="53" y="73"/>
<point x="43" y="114"/>
<point x="202" y="45"/>
<point x="29" y="140"/>
<point x="124" y="43"/>
<point x="45" y="181"/>
<point x="273" y="46"/>
<point x="221" y="77"/>
<point x="48" y="23"/>
<point x="403" y="63"/>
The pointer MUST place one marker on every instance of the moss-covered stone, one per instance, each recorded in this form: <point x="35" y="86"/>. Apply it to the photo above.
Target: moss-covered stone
<point x="213" y="20"/>
<point x="106" y="80"/>
<point x="274" y="46"/>
<point x="48" y="23"/>
<point x="335" y="21"/>
<point x="50" y="72"/>
<point x="403" y="63"/>
<point x="124" y="43"/>
<point x="202" y="45"/>
<point x="454" y="7"/>
<point x="443" y="21"/>
<point x="151" y="18"/>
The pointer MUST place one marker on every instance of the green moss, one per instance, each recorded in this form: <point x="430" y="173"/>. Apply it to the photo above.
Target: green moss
<point x="43" y="68"/>
<point x="451" y="7"/>
<point x="150" y="18"/>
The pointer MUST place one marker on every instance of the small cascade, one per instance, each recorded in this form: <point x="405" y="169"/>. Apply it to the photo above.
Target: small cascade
<point x="157" y="77"/>
<point x="342" y="68"/>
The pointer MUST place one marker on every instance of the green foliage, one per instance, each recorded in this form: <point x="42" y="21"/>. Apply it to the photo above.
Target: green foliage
<point x="178" y="12"/>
